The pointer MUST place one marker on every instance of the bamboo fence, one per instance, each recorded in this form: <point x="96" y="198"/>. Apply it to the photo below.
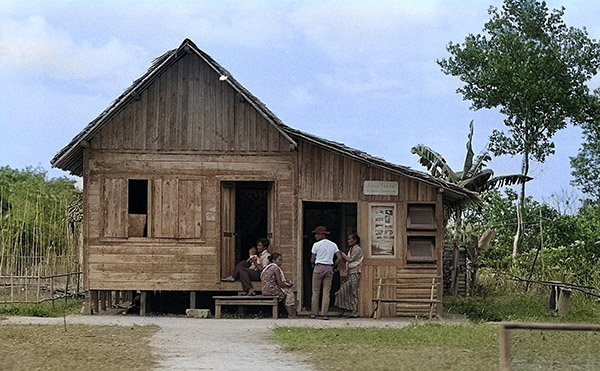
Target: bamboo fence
<point x="40" y="244"/>
<point x="38" y="289"/>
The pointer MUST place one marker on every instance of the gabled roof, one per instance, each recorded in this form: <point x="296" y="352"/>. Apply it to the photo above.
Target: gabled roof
<point x="70" y="158"/>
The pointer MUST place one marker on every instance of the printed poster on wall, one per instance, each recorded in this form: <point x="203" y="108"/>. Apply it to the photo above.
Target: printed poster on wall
<point x="383" y="228"/>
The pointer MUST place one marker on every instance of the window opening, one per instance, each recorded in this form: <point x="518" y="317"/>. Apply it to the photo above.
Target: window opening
<point x="421" y="249"/>
<point x="421" y="216"/>
<point x="137" y="208"/>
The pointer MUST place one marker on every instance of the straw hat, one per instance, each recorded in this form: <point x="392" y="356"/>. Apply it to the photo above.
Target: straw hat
<point x="320" y="229"/>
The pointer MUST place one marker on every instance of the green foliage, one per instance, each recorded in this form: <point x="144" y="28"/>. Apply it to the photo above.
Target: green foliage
<point x="586" y="165"/>
<point x="474" y="175"/>
<point x="571" y="243"/>
<point x="58" y="308"/>
<point x="532" y="67"/>
<point x="502" y="299"/>
<point x="33" y="217"/>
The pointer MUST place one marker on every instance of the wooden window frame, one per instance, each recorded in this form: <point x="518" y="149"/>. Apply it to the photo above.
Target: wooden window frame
<point x="411" y="225"/>
<point x="153" y="212"/>
<point x="421" y="259"/>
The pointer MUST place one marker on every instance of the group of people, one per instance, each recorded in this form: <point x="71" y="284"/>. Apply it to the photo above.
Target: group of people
<point x="325" y="256"/>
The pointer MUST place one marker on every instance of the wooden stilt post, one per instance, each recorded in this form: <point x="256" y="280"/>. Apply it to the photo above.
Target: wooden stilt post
<point x="94" y="295"/>
<point x="143" y="302"/>
<point x="102" y="300"/>
<point x="192" y="299"/>
<point x="87" y="303"/>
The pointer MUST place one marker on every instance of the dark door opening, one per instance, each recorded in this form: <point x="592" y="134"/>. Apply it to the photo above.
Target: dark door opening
<point x="251" y="215"/>
<point x="340" y="219"/>
<point x="244" y="219"/>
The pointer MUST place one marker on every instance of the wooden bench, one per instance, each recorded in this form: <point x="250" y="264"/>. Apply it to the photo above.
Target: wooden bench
<point x="382" y="282"/>
<point x="245" y="300"/>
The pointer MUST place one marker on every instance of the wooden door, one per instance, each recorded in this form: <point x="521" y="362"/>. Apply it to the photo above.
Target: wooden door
<point x="270" y="212"/>
<point x="228" y="235"/>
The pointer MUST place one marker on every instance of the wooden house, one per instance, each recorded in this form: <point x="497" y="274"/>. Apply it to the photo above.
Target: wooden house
<point x="187" y="169"/>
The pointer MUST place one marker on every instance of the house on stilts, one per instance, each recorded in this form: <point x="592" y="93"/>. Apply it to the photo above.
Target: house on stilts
<point x="186" y="169"/>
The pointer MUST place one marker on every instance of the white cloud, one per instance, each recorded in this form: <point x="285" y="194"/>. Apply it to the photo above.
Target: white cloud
<point x="302" y="96"/>
<point x="358" y="29"/>
<point x="358" y="81"/>
<point x="34" y="48"/>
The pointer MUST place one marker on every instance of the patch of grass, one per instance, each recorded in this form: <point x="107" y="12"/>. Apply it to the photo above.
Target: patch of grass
<point x="57" y="308"/>
<point x="526" y="307"/>
<point x="438" y="347"/>
<point x="50" y="347"/>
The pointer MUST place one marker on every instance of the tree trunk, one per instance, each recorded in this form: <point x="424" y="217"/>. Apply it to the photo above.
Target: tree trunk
<point x="520" y="222"/>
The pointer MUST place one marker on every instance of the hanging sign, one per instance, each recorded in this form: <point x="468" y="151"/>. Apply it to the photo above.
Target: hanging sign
<point x="380" y="188"/>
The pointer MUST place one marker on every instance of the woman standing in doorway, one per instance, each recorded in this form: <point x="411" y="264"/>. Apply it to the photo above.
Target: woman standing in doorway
<point x="347" y="296"/>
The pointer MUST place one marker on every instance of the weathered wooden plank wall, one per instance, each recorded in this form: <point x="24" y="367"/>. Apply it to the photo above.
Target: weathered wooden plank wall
<point x="331" y="177"/>
<point x="187" y="132"/>
<point x="184" y="232"/>
<point x="189" y="109"/>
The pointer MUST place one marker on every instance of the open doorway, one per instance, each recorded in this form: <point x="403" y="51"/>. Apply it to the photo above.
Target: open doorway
<point x="340" y="219"/>
<point x="244" y="219"/>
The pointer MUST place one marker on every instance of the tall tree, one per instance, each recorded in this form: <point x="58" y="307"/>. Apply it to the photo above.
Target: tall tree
<point x="586" y="165"/>
<point x="532" y="67"/>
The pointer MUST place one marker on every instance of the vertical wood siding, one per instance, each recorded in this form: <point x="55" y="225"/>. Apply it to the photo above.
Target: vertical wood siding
<point x="187" y="134"/>
<point x="187" y="108"/>
<point x="183" y="250"/>
<point x="330" y="177"/>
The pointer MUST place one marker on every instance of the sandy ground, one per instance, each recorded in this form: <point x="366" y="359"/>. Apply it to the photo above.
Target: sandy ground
<point x="219" y="344"/>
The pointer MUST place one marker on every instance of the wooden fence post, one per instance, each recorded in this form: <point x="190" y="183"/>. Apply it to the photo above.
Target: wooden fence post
<point x="12" y="288"/>
<point x="37" y="298"/>
<point x="564" y="301"/>
<point x="67" y="287"/>
<point x="504" y="336"/>
<point x="553" y="296"/>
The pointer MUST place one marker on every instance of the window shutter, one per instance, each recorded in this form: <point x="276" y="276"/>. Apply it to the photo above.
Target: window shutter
<point x="190" y="208"/>
<point x="114" y="197"/>
<point x="164" y="208"/>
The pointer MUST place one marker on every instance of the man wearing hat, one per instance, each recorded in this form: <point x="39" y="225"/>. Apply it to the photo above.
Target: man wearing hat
<point x="323" y="252"/>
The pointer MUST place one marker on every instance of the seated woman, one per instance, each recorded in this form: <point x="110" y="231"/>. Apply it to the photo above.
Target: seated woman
<point x="249" y="270"/>
<point x="275" y="284"/>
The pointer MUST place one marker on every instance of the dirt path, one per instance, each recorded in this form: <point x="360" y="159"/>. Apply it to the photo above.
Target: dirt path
<point x="224" y="344"/>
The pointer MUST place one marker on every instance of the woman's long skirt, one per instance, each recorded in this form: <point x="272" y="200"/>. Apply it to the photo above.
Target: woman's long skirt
<point x="347" y="295"/>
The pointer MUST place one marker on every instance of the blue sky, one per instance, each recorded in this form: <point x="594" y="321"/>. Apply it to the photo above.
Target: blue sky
<point x="358" y="72"/>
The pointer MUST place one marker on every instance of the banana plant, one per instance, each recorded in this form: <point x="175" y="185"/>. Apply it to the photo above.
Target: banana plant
<point x="474" y="175"/>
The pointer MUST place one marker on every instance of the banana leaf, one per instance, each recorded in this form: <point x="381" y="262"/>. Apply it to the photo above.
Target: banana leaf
<point x="470" y="154"/>
<point x="507" y="180"/>
<point x="434" y="162"/>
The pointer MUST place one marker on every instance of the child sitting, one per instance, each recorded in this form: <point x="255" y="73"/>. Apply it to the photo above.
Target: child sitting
<point x="253" y="252"/>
